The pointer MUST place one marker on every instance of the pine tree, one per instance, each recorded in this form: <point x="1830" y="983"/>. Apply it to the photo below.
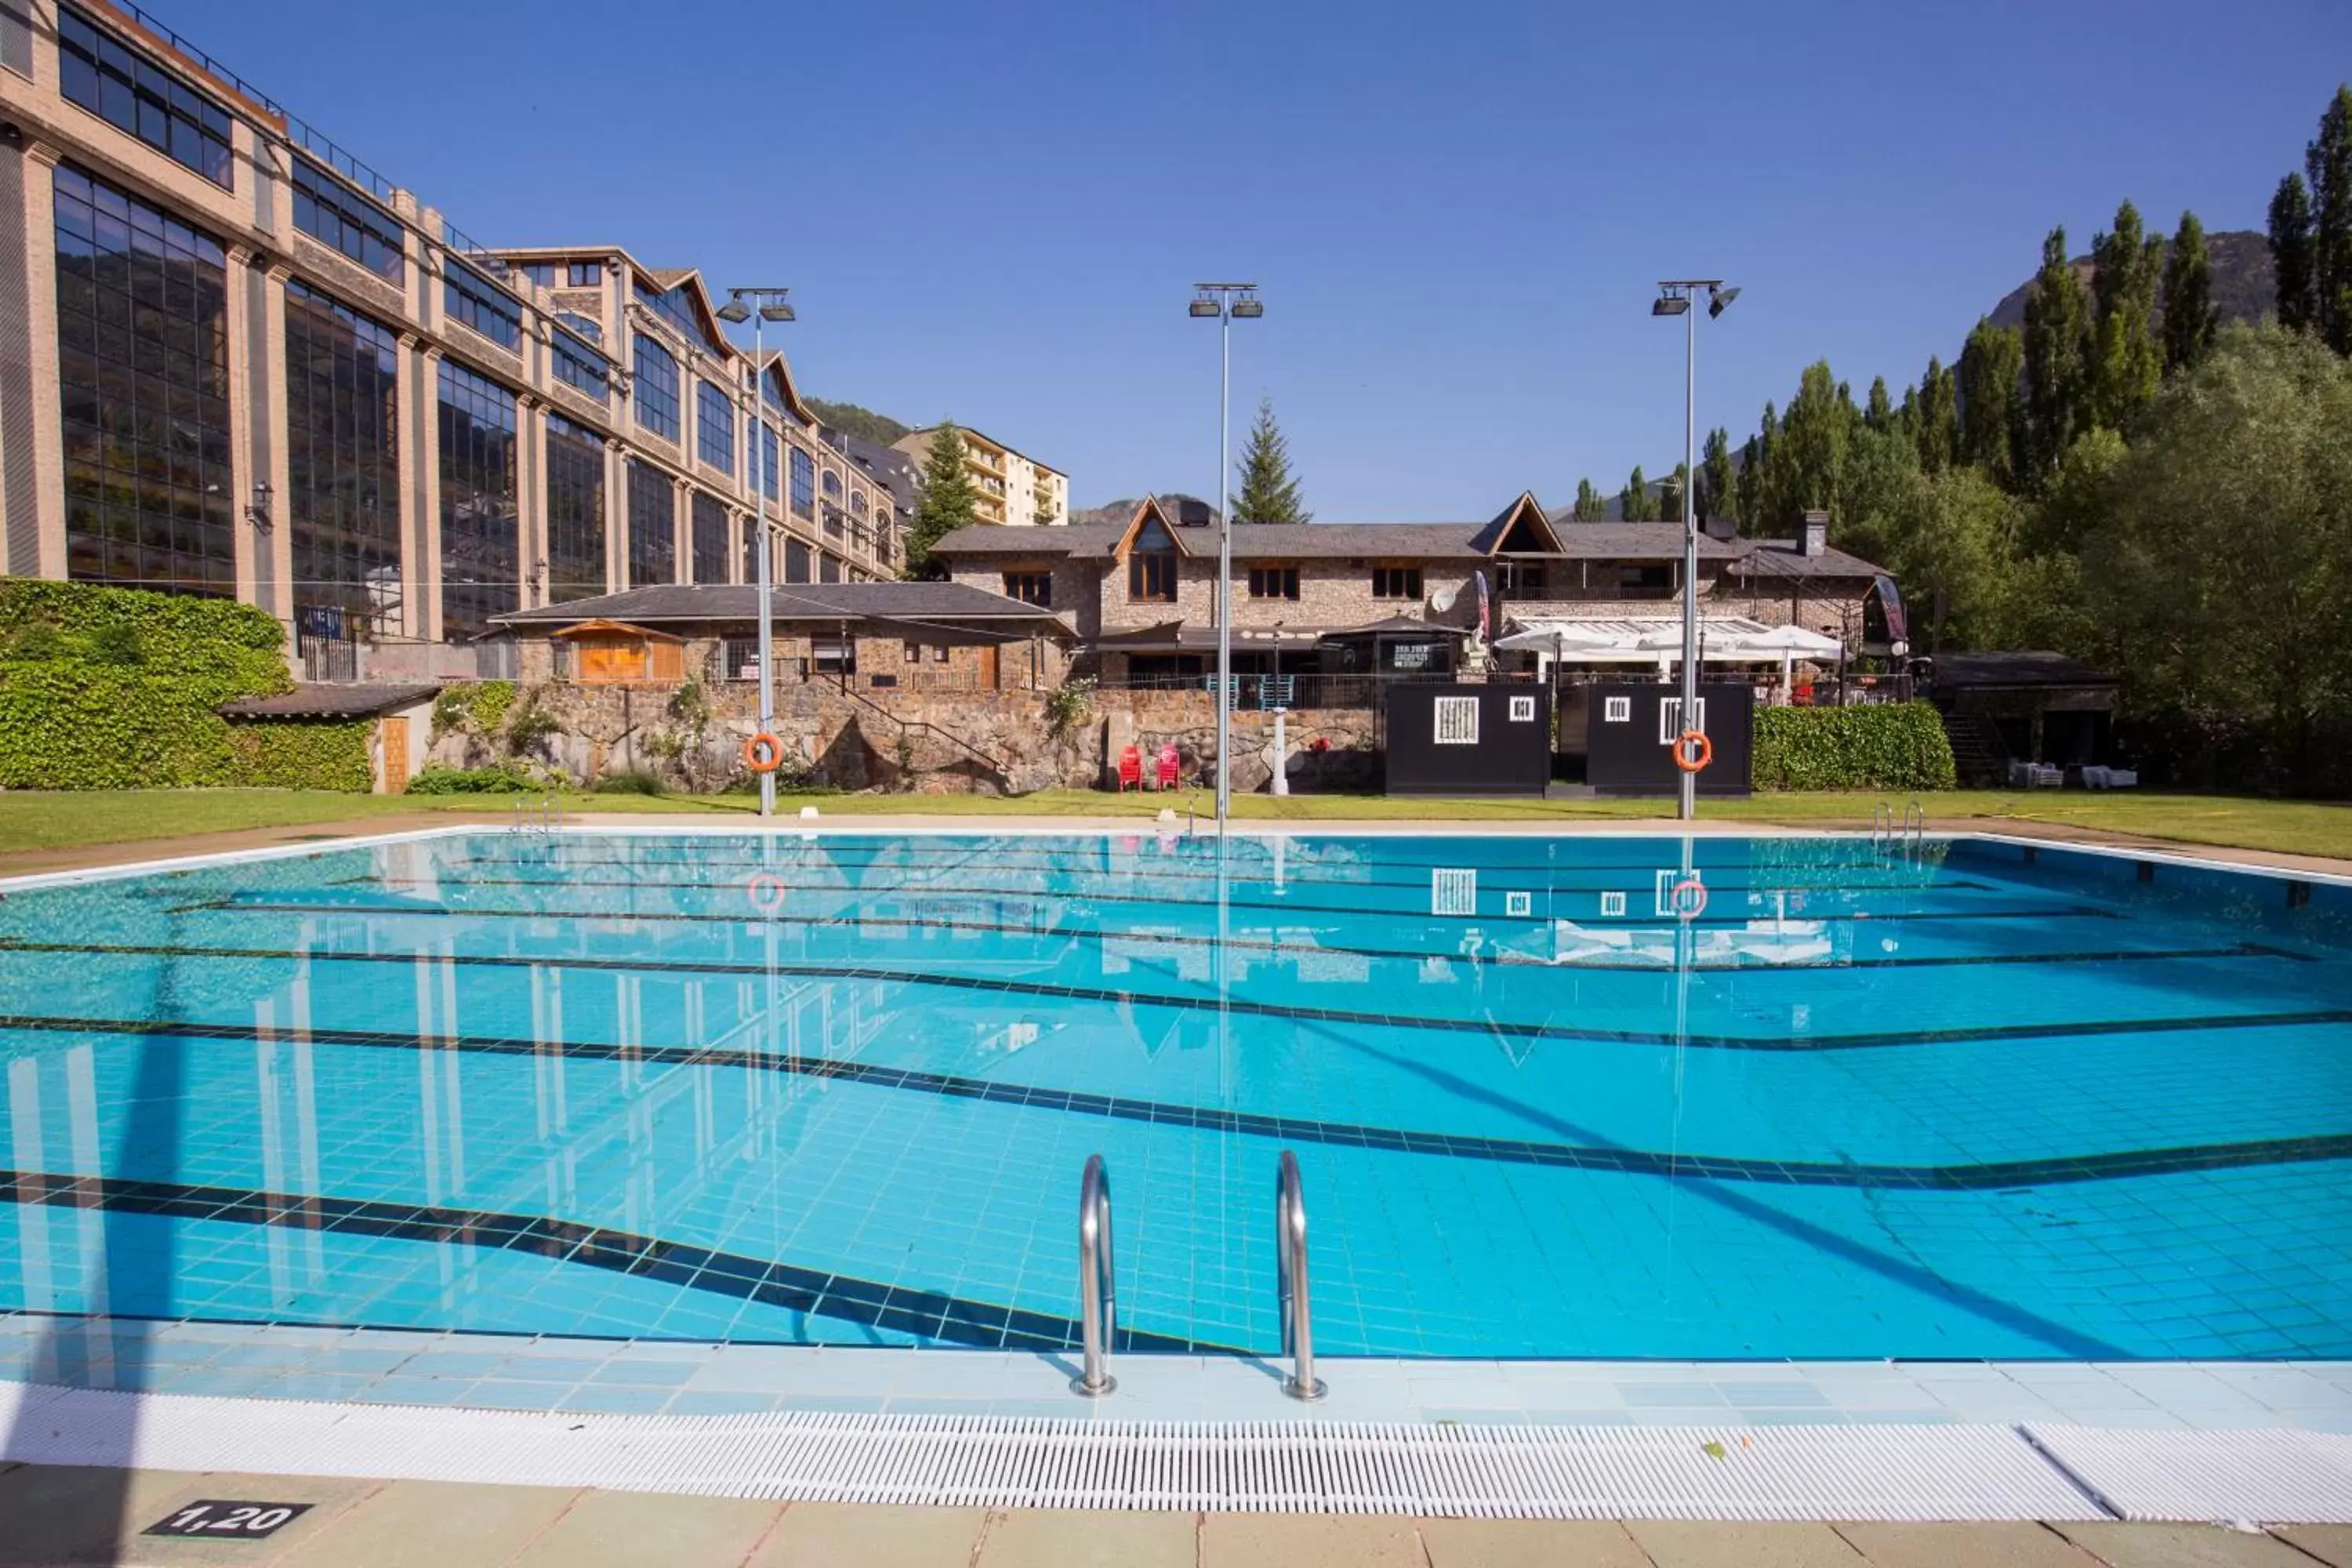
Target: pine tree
<point x="1592" y="506"/>
<point x="2190" y="318"/>
<point x="1633" y="505"/>
<point x="949" y="500"/>
<point x="2328" y="164"/>
<point x="1269" y="492"/>
<point x="2290" y="254"/>
<point x="2057" y="354"/>
<point x="1878" y="413"/>
<point x="1992" y="412"/>
<point x="2127" y="361"/>
<point x="1938" y="436"/>
<point x="1718" y="494"/>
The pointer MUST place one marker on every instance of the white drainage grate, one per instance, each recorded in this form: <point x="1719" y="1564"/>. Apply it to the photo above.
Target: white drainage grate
<point x="1543" y="1472"/>
<point x="2273" y="1476"/>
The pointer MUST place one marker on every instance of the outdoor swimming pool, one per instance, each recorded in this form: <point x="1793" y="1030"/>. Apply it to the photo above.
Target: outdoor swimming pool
<point x="1969" y="1101"/>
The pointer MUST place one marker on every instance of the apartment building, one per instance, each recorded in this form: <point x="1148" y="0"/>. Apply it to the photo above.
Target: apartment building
<point x="1014" y="489"/>
<point x="236" y="360"/>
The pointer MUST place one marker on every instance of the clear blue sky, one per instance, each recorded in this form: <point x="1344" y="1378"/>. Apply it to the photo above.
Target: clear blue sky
<point x="1458" y="212"/>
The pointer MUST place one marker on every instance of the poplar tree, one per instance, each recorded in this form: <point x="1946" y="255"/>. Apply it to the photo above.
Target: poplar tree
<point x="1938" y="436"/>
<point x="2290" y="258"/>
<point x="1878" y="413"/>
<point x="2328" y="164"/>
<point x="1269" y="491"/>
<point x="948" y="499"/>
<point x="2127" y="362"/>
<point x="1718" y="493"/>
<point x="1592" y="506"/>
<point x="2190" y="318"/>
<point x="1633" y="505"/>
<point x="1991" y="412"/>
<point x="1808" y="458"/>
<point x="2057" y="353"/>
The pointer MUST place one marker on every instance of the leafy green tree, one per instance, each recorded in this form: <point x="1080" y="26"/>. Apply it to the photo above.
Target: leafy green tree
<point x="2328" y="164"/>
<point x="1938" y="431"/>
<point x="1592" y="506"/>
<point x="949" y="500"/>
<point x="1810" y="456"/>
<point x="2127" y="361"/>
<point x="1719" y="483"/>
<point x="1634" y="504"/>
<point x="2058" y="329"/>
<point x="1990" y="409"/>
<point x="1670" y="495"/>
<point x="2290" y="254"/>
<point x="2190" y="316"/>
<point x="1878" y="413"/>
<point x="2220" y="573"/>
<point x="1269" y="491"/>
<point x="1878" y="493"/>
<point x="1756" y="506"/>
<point x="2077" y="498"/>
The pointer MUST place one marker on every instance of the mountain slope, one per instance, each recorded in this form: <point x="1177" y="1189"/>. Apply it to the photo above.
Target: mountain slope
<point x="2245" y="284"/>
<point x="862" y="423"/>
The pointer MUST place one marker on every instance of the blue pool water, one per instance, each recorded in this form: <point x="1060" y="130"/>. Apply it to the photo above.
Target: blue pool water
<point x="1978" y="1101"/>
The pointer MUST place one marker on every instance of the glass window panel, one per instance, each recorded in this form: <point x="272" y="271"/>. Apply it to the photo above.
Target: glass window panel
<point x="119" y="422"/>
<point x="129" y="90"/>
<point x="481" y="564"/>
<point x="653" y="526"/>
<point x="714" y="427"/>
<point x="656" y="386"/>
<point x="710" y="538"/>
<point x="342" y="419"/>
<point x="575" y="511"/>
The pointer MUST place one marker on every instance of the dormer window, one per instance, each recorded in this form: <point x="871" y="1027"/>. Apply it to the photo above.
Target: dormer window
<point x="1151" y="566"/>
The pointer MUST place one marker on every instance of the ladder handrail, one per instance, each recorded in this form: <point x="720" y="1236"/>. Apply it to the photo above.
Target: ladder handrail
<point x="1098" y="1300"/>
<point x="1290" y="1266"/>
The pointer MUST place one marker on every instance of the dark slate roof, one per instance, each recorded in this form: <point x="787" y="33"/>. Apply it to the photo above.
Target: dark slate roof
<point x="1783" y="558"/>
<point x="2024" y="668"/>
<point x="1408" y="623"/>
<point x="793" y="602"/>
<point x="1371" y="541"/>
<point x="897" y="473"/>
<point x="339" y="701"/>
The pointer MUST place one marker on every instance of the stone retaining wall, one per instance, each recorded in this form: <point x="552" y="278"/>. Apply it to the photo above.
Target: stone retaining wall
<point x="992" y="742"/>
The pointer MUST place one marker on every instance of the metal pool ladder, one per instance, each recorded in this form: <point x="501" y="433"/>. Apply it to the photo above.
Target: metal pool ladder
<point x="1097" y="1301"/>
<point x="1290" y="1263"/>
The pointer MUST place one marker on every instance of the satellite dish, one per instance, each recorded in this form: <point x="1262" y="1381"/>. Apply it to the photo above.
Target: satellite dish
<point x="1442" y="599"/>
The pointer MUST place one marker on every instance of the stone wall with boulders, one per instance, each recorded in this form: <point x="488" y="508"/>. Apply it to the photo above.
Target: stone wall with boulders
<point x="992" y="742"/>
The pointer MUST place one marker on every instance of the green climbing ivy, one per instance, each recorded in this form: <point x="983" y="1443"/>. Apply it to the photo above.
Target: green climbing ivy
<point x="1894" y="745"/>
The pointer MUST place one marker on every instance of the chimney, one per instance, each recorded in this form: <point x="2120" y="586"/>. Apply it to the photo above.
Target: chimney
<point x="1814" y="537"/>
<point x="1191" y="513"/>
<point x="1719" y="527"/>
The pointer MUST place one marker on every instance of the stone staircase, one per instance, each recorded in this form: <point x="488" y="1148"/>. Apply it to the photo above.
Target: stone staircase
<point x="1979" y="753"/>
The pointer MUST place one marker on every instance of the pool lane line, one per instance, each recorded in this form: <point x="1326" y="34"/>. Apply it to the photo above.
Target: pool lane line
<point x="2049" y="1171"/>
<point x="1484" y="1025"/>
<point x="1729" y="919"/>
<point x="844" y="1297"/>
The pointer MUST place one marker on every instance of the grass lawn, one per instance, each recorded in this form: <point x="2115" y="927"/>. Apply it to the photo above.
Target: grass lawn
<point x="43" y="820"/>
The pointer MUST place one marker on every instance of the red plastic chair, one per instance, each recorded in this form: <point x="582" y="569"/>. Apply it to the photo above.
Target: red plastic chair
<point x="1130" y="770"/>
<point x="1171" y="765"/>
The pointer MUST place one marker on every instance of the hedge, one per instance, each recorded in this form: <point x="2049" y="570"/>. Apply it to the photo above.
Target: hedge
<point x="116" y="687"/>
<point x="1894" y="745"/>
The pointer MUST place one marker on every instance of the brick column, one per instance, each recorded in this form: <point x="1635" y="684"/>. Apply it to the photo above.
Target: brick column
<point x="246" y="459"/>
<point x="617" y="517"/>
<point x="424" y="566"/>
<point x="531" y="500"/>
<point x="681" y="532"/>
<point x="32" y="437"/>
<point x="279" y="540"/>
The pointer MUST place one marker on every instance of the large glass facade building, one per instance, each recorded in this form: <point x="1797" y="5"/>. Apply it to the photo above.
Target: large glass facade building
<point x="278" y="376"/>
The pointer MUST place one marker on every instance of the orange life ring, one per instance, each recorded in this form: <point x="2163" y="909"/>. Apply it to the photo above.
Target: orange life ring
<point x="1684" y="758"/>
<point x="766" y="891"/>
<point x="774" y="751"/>
<point x="1685" y="907"/>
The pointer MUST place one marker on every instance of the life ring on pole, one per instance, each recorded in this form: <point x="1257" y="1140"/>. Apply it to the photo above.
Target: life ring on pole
<point x="1687" y="760"/>
<point x="1688" y="898"/>
<point x="764" y="753"/>
<point x="766" y="891"/>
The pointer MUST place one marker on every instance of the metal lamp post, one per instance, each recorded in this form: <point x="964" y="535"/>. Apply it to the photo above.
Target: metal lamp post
<point x="1222" y="302"/>
<point x="1675" y="297"/>
<point x="770" y="307"/>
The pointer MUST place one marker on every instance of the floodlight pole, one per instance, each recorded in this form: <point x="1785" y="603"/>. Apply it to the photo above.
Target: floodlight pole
<point x="755" y="459"/>
<point x="1221" y="297"/>
<point x="1683" y="293"/>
